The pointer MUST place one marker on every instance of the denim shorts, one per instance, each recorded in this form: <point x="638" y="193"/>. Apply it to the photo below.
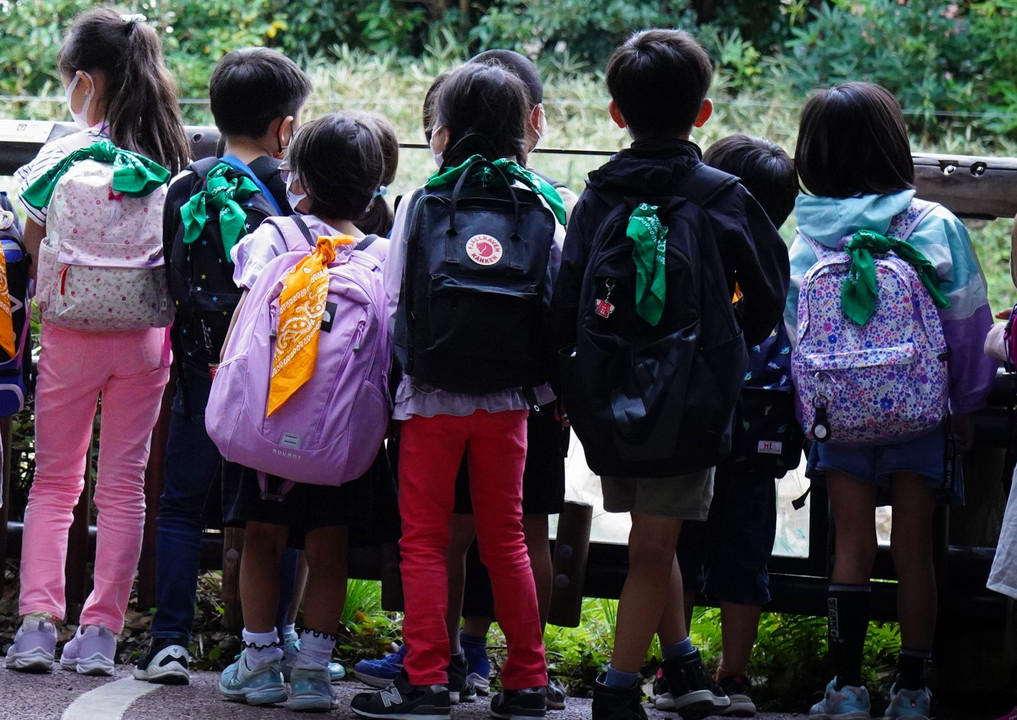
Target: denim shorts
<point x="925" y="455"/>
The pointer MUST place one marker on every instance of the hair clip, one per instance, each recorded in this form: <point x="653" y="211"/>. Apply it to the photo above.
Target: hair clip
<point x="133" y="17"/>
<point x="380" y="192"/>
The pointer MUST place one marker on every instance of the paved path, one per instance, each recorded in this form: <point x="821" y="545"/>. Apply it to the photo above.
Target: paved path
<point x="68" y="696"/>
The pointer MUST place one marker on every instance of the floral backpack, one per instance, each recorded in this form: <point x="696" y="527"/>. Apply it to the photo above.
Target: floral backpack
<point x="883" y="380"/>
<point x="101" y="265"/>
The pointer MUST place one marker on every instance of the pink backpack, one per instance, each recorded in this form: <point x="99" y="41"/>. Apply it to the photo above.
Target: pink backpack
<point x="330" y="430"/>
<point x="882" y="382"/>
<point x="101" y="265"/>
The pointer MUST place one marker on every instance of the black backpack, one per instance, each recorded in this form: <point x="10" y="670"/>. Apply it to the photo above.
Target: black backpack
<point x="476" y="285"/>
<point x="201" y="278"/>
<point x="766" y="438"/>
<point x="656" y="401"/>
<point x="16" y="379"/>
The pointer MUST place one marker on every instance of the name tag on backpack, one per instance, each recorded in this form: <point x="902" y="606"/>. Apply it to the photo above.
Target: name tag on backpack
<point x="769" y="447"/>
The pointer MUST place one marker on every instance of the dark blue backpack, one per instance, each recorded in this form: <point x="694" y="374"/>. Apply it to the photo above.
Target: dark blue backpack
<point x="766" y="438"/>
<point x="15" y="373"/>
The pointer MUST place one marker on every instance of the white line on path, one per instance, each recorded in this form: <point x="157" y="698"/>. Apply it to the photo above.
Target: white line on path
<point x="108" y="702"/>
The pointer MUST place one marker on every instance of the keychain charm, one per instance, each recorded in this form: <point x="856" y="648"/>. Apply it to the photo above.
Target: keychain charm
<point x="6" y="219"/>
<point x="603" y="307"/>
<point x="820" y="429"/>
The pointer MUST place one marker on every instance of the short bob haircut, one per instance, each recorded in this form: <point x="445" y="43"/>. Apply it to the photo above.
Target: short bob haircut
<point x="852" y="141"/>
<point x="339" y="161"/>
<point x="251" y="87"/>
<point x="765" y="169"/>
<point x="659" y="80"/>
<point x="484" y="108"/>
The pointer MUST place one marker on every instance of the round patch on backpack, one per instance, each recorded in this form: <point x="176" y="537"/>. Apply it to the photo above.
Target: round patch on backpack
<point x="483" y="250"/>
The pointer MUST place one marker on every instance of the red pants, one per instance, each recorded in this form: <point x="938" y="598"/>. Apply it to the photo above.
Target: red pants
<point x="430" y="451"/>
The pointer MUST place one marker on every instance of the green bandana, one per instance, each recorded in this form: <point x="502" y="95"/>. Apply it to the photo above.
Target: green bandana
<point x="222" y="195"/>
<point x="649" y="253"/>
<point x="513" y="170"/>
<point x="133" y="175"/>
<point x="858" y="295"/>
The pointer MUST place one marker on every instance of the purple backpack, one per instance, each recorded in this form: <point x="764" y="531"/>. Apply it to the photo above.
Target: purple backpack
<point x="330" y="430"/>
<point x="878" y="383"/>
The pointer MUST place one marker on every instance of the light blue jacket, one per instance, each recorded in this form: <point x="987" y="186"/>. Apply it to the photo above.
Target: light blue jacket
<point x="944" y="240"/>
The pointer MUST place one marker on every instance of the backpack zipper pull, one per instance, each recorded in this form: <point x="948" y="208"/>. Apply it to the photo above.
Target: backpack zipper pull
<point x="820" y="429"/>
<point x="358" y="335"/>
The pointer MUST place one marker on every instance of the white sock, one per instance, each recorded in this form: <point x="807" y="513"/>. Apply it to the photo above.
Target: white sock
<point x="262" y="648"/>
<point x="315" y="649"/>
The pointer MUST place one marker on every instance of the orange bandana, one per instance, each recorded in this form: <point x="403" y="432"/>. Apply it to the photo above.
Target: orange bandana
<point x="301" y="308"/>
<point x="6" y="318"/>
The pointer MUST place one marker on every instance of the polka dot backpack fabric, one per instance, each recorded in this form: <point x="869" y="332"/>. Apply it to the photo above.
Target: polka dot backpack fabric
<point x="877" y="383"/>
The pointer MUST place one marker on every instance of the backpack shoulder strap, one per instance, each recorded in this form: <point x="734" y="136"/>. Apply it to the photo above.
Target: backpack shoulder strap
<point x="299" y="223"/>
<point x="289" y="226"/>
<point x="906" y="221"/>
<point x="703" y="184"/>
<point x="204" y="166"/>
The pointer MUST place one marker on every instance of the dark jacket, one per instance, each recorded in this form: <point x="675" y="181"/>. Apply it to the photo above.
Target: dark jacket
<point x="754" y="255"/>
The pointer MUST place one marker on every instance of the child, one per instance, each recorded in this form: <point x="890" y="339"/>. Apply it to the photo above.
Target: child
<point x="736" y="540"/>
<point x="335" y="169"/>
<point x="658" y="82"/>
<point x="481" y="110"/>
<point x="117" y="88"/>
<point x="854" y="157"/>
<point x="254" y="131"/>
<point x="543" y="479"/>
<point x="377" y="219"/>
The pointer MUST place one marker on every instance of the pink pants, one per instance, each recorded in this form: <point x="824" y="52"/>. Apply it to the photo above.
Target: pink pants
<point x="129" y="369"/>
<point x="430" y="451"/>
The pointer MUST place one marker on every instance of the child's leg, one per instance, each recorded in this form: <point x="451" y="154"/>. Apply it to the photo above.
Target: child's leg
<point x="497" y="453"/>
<point x="430" y="451"/>
<point x="264" y="544"/>
<point x="131" y="400"/>
<point x="852" y="504"/>
<point x="65" y="400"/>
<point x="652" y="586"/>
<point x="325" y="592"/>
<point x="911" y="546"/>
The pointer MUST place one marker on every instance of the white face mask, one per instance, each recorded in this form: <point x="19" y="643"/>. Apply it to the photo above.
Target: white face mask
<point x="293" y="198"/>
<point x="80" y="117"/>
<point x="438" y="159"/>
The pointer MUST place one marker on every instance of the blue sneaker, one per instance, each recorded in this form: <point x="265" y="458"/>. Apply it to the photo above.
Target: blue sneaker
<point x="913" y="704"/>
<point x="380" y="673"/>
<point x="259" y="685"/>
<point x="848" y="703"/>
<point x="478" y="667"/>
<point x="291" y="648"/>
<point x="311" y="690"/>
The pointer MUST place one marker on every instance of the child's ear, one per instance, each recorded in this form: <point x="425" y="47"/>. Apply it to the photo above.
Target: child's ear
<point x="616" y="115"/>
<point x="285" y="130"/>
<point x="704" y="113"/>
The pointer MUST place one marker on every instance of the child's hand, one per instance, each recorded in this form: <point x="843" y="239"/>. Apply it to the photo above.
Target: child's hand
<point x="962" y="427"/>
<point x="1004" y="314"/>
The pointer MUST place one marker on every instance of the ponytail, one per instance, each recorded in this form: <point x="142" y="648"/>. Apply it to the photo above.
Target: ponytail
<point x="141" y="100"/>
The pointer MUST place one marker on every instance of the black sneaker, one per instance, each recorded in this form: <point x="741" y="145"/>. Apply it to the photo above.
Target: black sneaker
<point x="404" y="701"/>
<point x="165" y="663"/>
<point x="519" y="704"/>
<point x="460" y="689"/>
<point x="695" y="693"/>
<point x="737" y="688"/>
<point x="616" y="703"/>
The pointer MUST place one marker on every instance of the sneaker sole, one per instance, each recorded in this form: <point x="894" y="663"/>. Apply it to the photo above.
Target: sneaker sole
<point x="700" y="704"/>
<point x="373" y="680"/>
<point x="31" y="662"/>
<point x="315" y="703"/>
<point x="402" y="716"/>
<point x="909" y="717"/>
<point x="460" y="697"/>
<point x="482" y="684"/>
<point x="99" y="666"/>
<point x="172" y="674"/>
<point x="265" y="696"/>
<point x="853" y="715"/>
<point x="741" y="706"/>
<point x="524" y="715"/>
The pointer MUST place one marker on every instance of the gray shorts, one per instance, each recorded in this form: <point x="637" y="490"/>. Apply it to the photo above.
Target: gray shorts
<point x="686" y="497"/>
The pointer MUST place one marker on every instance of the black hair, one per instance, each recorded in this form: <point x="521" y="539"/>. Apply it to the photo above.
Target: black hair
<point x="379" y="217"/>
<point x="484" y="109"/>
<point x="339" y="162"/>
<point x="251" y="87"/>
<point x="658" y="79"/>
<point x="427" y="109"/>
<point x="764" y="168"/>
<point x="522" y="66"/>
<point x="141" y="97"/>
<point x="852" y="140"/>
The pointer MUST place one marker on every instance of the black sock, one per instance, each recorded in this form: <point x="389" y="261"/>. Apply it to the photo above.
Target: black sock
<point x="847" y="623"/>
<point x="911" y="668"/>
